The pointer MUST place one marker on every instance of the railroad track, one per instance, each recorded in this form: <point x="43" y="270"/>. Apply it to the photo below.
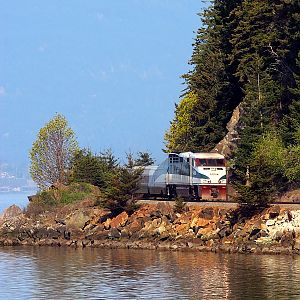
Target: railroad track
<point x="227" y="204"/>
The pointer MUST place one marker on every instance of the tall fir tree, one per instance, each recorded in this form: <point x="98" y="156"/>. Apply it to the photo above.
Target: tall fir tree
<point x="264" y="65"/>
<point x="246" y="54"/>
<point x="211" y="82"/>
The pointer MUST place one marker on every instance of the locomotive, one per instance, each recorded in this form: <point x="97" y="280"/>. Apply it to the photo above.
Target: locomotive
<point x="189" y="175"/>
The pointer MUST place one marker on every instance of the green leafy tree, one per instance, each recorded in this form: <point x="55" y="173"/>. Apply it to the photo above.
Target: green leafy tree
<point x="52" y="153"/>
<point x="266" y="178"/>
<point x="292" y="159"/>
<point x="292" y="164"/>
<point x="273" y="169"/>
<point x="179" y="137"/>
<point x="259" y="110"/>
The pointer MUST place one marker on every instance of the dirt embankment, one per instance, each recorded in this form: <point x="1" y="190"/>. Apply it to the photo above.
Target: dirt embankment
<point x="157" y="226"/>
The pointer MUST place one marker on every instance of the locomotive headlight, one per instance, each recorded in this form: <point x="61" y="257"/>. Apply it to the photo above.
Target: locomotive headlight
<point x="206" y="181"/>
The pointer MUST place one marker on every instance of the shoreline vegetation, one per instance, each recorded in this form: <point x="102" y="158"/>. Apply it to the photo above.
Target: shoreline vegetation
<point x="242" y="99"/>
<point x="158" y="226"/>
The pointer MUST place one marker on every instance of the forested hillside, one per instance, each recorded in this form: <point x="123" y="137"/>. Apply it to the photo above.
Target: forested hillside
<point x="246" y="54"/>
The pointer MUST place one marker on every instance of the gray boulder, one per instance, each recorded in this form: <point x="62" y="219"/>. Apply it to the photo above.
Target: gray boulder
<point x="10" y="213"/>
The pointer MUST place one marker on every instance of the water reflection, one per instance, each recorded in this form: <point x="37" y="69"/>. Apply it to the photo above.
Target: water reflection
<point x="56" y="273"/>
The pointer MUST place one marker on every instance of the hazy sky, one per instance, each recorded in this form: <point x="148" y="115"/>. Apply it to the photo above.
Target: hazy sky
<point x="112" y="67"/>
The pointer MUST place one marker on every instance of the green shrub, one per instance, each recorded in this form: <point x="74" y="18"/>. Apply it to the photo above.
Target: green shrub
<point x="39" y="204"/>
<point x="47" y="198"/>
<point x="81" y="187"/>
<point x="62" y="195"/>
<point x="266" y="178"/>
<point x="67" y="197"/>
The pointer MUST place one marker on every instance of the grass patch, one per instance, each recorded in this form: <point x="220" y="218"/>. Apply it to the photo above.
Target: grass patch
<point x="54" y="197"/>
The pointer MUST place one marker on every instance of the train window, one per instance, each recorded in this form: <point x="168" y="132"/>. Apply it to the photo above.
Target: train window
<point x="203" y="162"/>
<point x="215" y="162"/>
<point x="200" y="162"/>
<point x="220" y="162"/>
<point x="174" y="159"/>
<point x="211" y="162"/>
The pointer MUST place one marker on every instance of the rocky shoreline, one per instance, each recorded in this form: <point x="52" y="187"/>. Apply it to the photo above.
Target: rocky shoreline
<point x="274" y="230"/>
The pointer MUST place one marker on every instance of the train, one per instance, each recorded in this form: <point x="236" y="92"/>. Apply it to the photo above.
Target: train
<point x="195" y="176"/>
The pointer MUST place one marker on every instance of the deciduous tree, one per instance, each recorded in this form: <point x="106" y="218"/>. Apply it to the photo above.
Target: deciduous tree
<point x="52" y="153"/>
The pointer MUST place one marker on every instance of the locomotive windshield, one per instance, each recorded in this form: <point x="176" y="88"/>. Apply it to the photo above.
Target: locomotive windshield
<point x="209" y="162"/>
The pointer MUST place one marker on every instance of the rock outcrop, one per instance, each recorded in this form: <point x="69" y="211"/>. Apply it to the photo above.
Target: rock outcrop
<point x="229" y="143"/>
<point x="157" y="226"/>
<point x="10" y="213"/>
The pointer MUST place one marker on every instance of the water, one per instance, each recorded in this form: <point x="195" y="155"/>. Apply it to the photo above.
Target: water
<point x="8" y="199"/>
<point x="60" y="273"/>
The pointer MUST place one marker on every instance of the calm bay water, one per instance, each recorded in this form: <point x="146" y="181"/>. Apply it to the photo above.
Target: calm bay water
<point x="60" y="273"/>
<point x="56" y="273"/>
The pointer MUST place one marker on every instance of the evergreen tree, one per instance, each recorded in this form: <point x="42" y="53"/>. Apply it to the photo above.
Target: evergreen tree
<point x="265" y="70"/>
<point x="144" y="159"/>
<point x="124" y="182"/>
<point x="291" y="121"/>
<point x="246" y="54"/>
<point x="259" y="111"/>
<point x="96" y="169"/>
<point x="212" y="89"/>
<point x="87" y="167"/>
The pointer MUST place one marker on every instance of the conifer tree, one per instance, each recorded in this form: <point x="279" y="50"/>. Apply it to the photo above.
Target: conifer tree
<point x="144" y="159"/>
<point x="87" y="167"/>
<point x="291" y="122"/>
<point x="246" y="54"/>
<point x="124" y="182"/>
<point x="96" y="169"/>
<point x="212" y="91"/>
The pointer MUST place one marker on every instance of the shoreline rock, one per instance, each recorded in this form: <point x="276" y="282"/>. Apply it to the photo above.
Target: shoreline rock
<point x="157" y="227"/>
